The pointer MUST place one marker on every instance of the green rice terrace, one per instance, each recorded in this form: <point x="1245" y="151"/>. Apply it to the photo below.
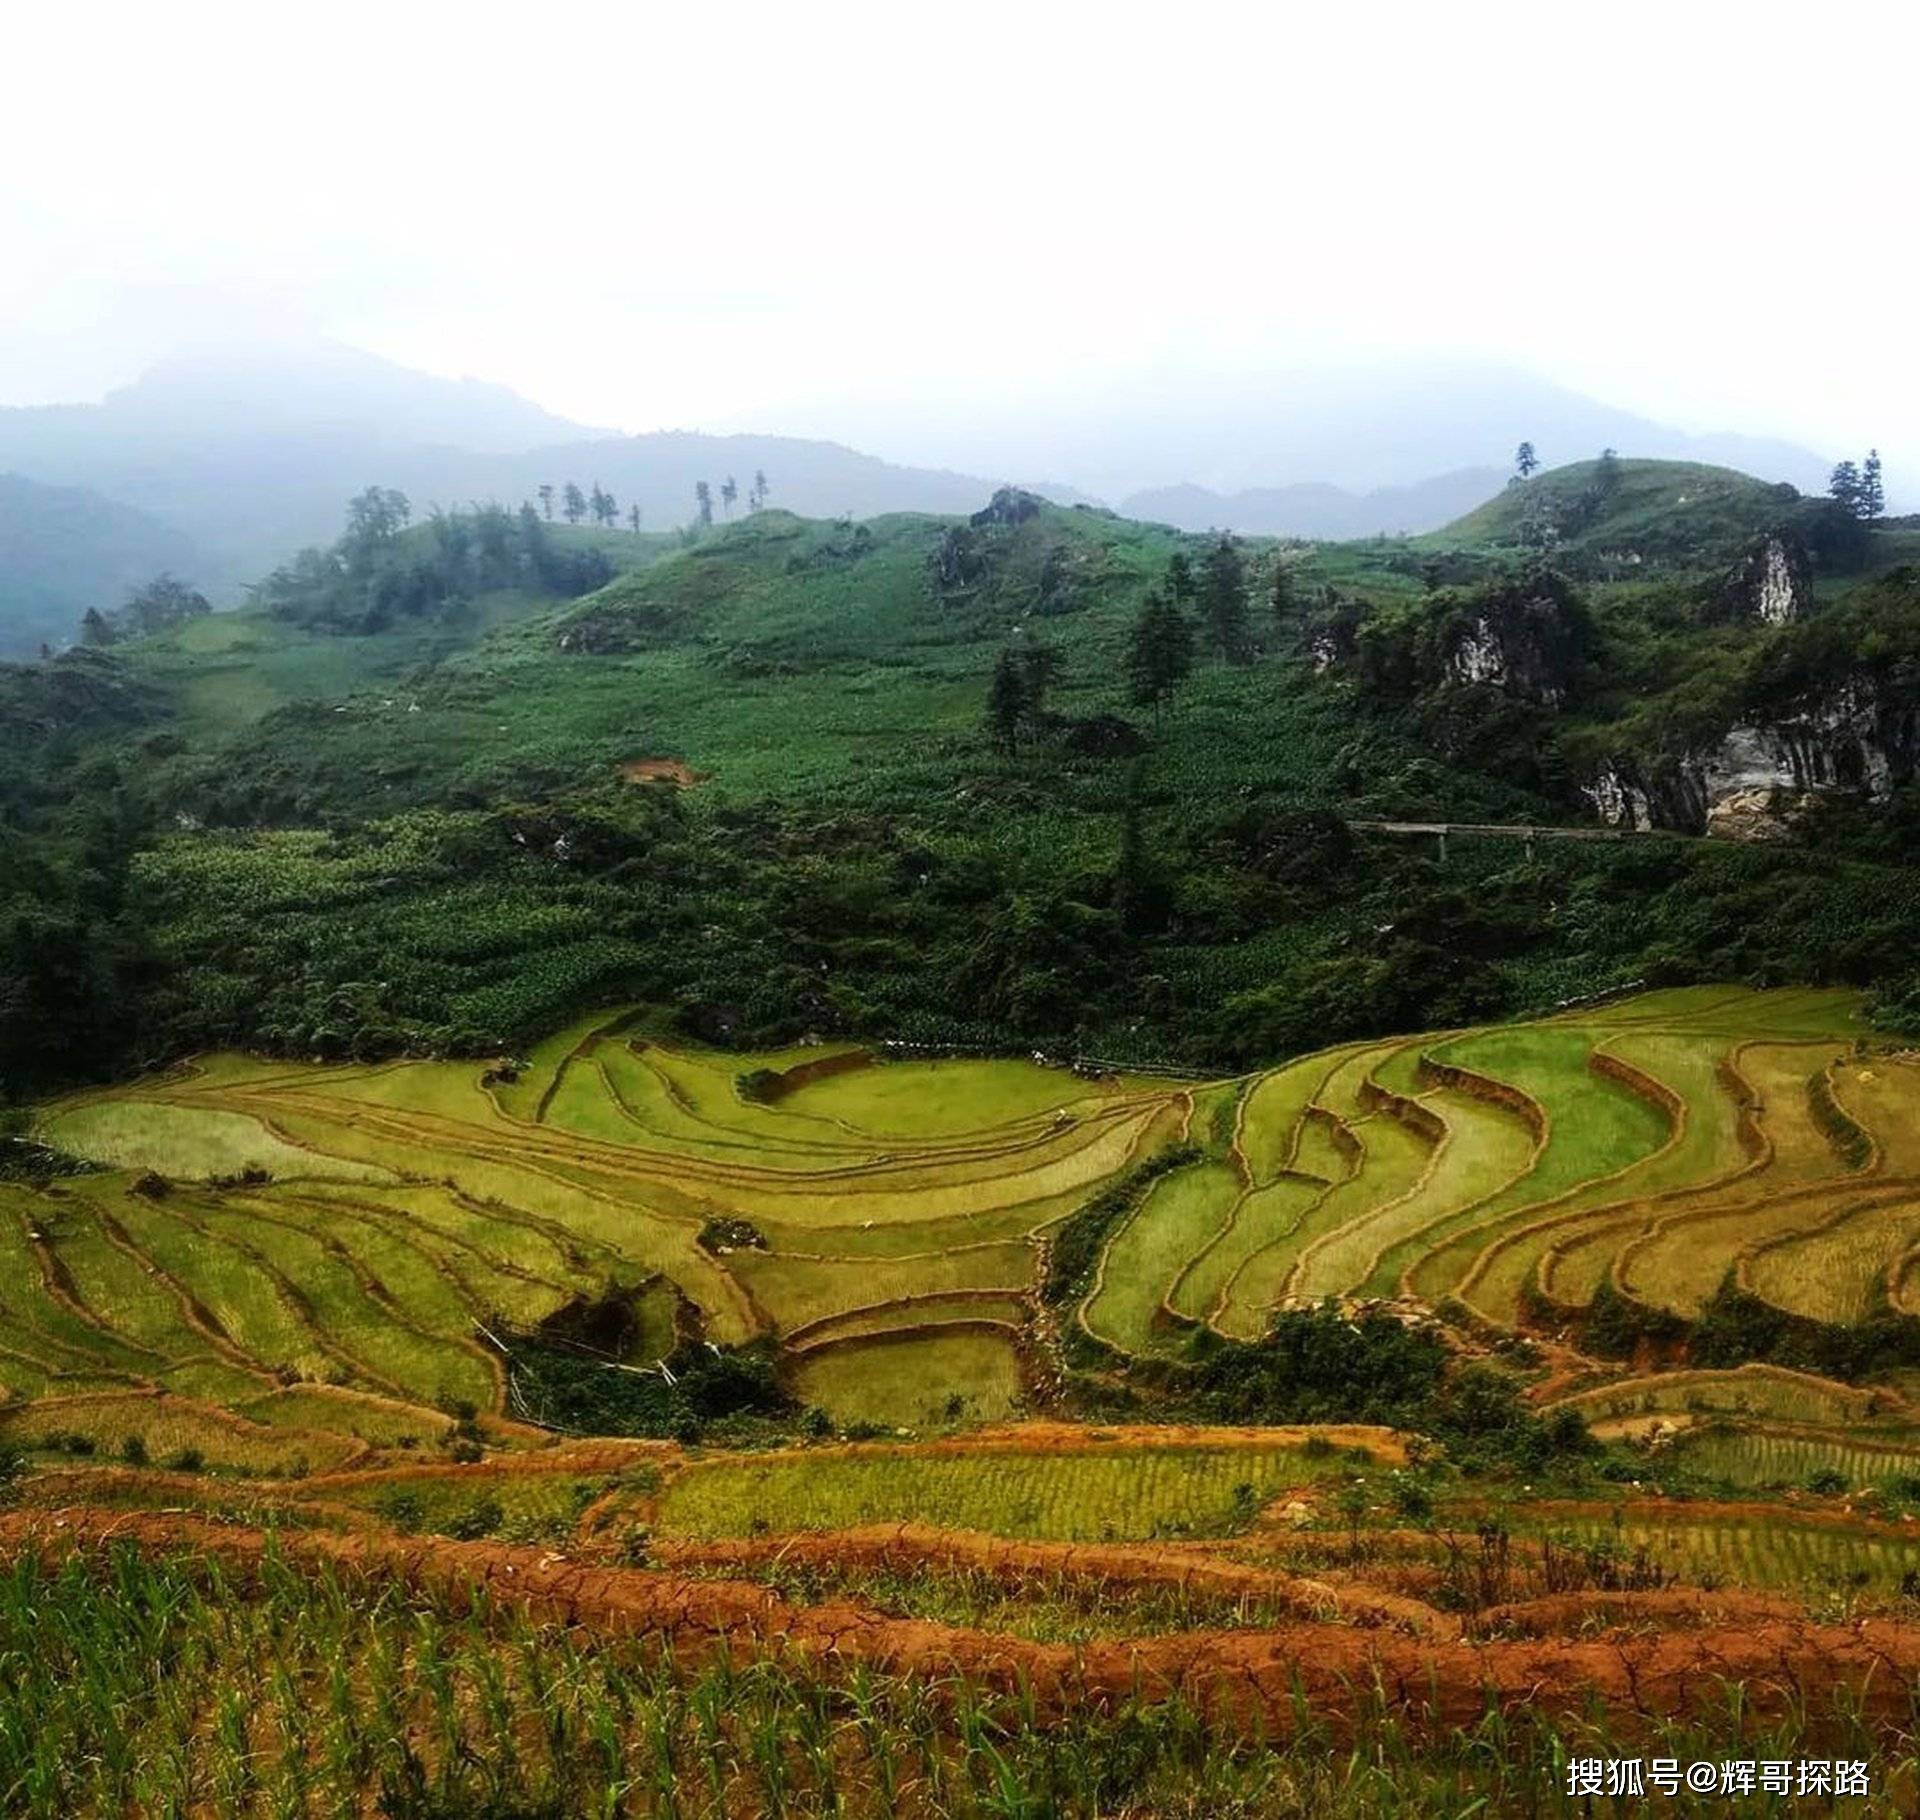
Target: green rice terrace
<point x="796" y="1430"/>
<point x="1365" y="1430"/>
<point x="273" y="1263"/>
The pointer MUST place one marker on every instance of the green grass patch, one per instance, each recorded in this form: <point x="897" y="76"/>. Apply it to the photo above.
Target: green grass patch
<point x="1130" y="1494"/>
<point x="931" y="1379"/>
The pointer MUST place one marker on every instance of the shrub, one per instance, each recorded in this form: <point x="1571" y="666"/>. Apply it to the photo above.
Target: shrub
<point x="400" y="1508"/>
<point x="480" y="1518"/>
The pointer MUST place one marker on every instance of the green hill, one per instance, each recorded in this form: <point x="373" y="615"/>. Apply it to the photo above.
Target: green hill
<point x="422" y="802"/>
<point x="1634" y="513"/>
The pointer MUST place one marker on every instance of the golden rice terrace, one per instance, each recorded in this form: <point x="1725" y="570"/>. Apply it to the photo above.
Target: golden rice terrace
<point x="303" y="1257"/>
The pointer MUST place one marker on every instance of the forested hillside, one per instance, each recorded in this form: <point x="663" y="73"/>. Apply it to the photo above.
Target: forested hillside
<point x="1044" y="777"/>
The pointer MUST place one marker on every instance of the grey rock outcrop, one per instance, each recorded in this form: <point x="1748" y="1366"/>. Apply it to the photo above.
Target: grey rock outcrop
<point x="1008" y="506"/>
<point x="1771" y="584"/>
<point x="1524" y="645"/>
<point x="1331" y="636"/>
<point x="1762" y="781"/>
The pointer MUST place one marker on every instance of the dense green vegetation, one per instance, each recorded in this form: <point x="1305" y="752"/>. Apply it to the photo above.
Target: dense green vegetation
<point x="376" y="577"/>
<point x="698" y="1389"/>
<point x="390" y="808"/>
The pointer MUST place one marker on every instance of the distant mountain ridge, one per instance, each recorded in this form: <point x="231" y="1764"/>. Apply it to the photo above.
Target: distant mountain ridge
<point x="1310" y="510"/>
<point x="229" y="464"/>
<point x="65" y="549"/>
<point x="254" y="458"/>
<point x="1359" y="428"/>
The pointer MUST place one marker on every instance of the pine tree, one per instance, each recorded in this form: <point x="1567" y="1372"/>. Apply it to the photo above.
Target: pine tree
<point x="96" y="629"/>
<point x="1180" y="583"/>
<point x="1525" y="461"/>
<point x="1223" y="601"/>
<point x="729" y="492"/>
<point x="1281" y="597"/>
<point x="1159" y="653"/>
<point x="1844" y="485"/>
<point x="1006" y="702"/>
<point x="1040" y="667"/>
<point x="633" y="518"/>
<point x="703" y="502"/>
<point x="545" y="490"/>
<point x="535" y="557"/>
<point x="1873" y="495"/>
<point x="1137" y="894"/>
<point x="574" y="507"/>
<point x="758" y="497"/>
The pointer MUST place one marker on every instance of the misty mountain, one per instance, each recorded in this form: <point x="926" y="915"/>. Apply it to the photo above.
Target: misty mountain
<point x="253" y="457"/>
<point x="1358" y="428"/>
<point x="232" y="463"/>
<point x="815" y="479"/>
<point x="1319" y="511"/>
<point x="65" y="549"/>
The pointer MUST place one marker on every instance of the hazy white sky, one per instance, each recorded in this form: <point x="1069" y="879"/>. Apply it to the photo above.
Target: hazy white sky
<point x="834" y="218"/>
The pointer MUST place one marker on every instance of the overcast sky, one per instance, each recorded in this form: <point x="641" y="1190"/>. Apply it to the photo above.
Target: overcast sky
<point x="857" y="220"/>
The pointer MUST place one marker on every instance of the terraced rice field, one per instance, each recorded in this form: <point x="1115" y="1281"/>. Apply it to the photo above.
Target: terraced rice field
<point x="1770" y="1457"/>
<point x="1761" y="1392"/>
<point x="262" y="1229"/>
<point x="1125" y="1494"/>
<point x="947" y="1370"/>
<point x="1763" y="1550"/>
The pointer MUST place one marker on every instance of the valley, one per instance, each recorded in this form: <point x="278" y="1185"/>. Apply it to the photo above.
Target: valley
<point x="629" y="1100"/>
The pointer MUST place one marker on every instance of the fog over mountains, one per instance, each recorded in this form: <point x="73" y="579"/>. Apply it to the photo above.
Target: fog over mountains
<point x="64" y="549"/>
<point x="222" y="467"/>
<point x="1401" y="424"/>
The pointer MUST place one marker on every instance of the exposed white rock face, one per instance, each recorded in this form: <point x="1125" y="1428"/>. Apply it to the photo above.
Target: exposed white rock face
<point x="1777" y="598"/>
<point x="1516" y="655"/>
<point x="1749" y="759"/>
<point x="1617" y="802"/>
<point x="1323" y="652"/>
<point x="1762" y="781"/>
<point x="1772" y="583"/>
<point x="1478" y="657"/>
<point x="1848" y="739"/>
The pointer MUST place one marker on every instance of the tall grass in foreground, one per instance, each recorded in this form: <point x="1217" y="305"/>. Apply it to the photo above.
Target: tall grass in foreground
<point x="157" y="1688"/>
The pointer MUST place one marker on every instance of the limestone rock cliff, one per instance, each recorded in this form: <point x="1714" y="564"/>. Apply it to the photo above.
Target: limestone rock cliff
<point x="1523" y="642"/>
<point x="1762" y="781"/>
<point x="1330" y="638"/>
<point x="1771" y="584"/>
